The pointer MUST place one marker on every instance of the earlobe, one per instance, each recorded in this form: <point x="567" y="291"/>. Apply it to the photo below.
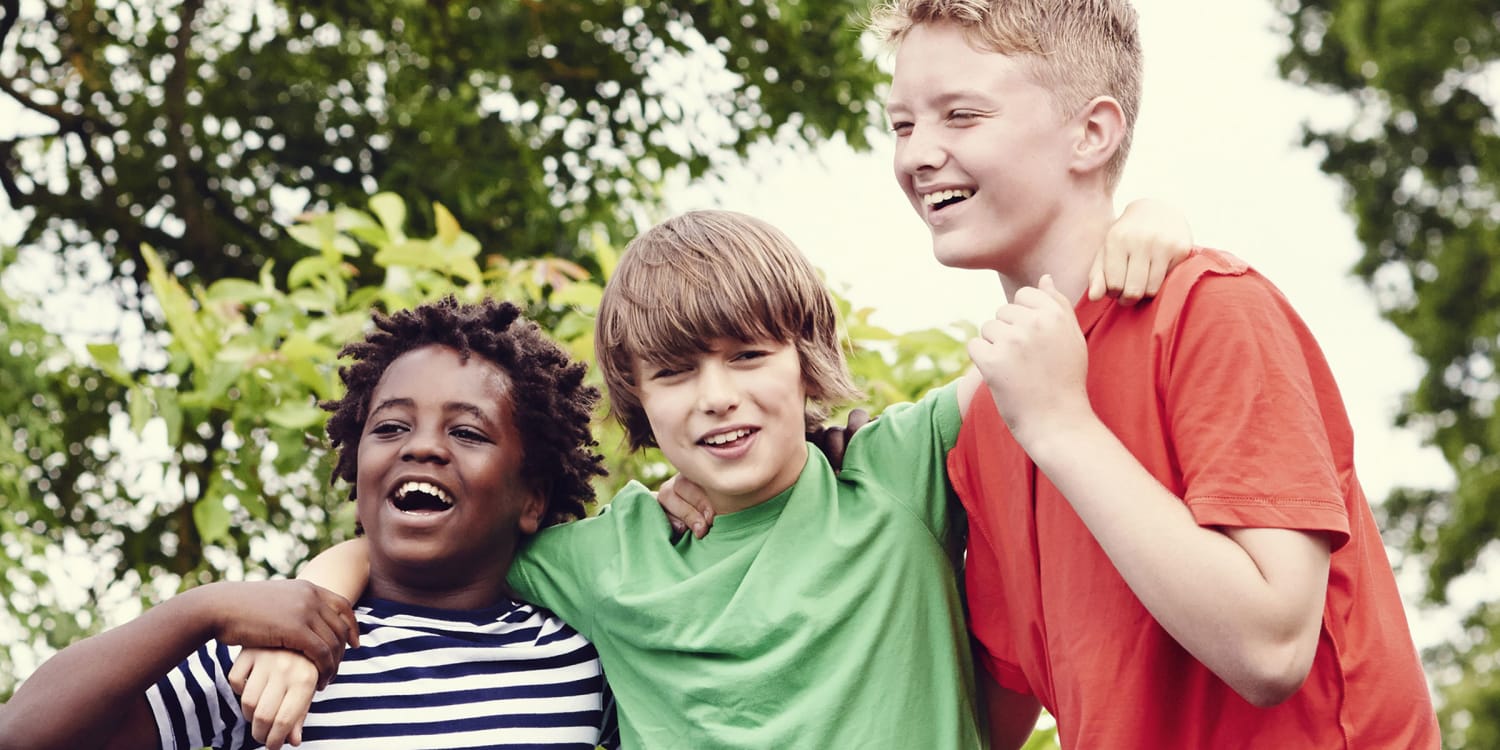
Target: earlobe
<point x="531" y="514"/>
<point x="1101" y="127"/>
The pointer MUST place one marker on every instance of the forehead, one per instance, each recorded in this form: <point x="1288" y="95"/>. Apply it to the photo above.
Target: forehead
<point x="939" y="62"/>
<point x="440" y="374"/>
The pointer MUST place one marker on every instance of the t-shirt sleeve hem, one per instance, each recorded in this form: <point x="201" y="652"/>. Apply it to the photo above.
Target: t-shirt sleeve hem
<point x="1301" y="514"/>
<point x="1005" y="674"/>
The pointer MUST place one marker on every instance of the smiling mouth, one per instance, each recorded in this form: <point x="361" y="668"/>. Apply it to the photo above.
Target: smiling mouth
<point x="421" y="497"/>
<point x="942" y="199"/>
<point x="726" y="439"/>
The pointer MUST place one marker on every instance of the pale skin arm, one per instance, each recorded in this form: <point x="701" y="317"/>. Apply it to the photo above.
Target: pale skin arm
<point x="1247" y="603"/>
<point x="276" y="686"/>
<point x="92" y="693"/>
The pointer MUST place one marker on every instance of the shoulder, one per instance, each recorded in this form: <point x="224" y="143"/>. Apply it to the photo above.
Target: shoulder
<point x="931" y="420"/>
<point x="1217" y="284"/>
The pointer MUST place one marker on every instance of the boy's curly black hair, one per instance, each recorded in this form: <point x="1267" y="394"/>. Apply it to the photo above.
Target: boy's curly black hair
<point x="552" y="405"/>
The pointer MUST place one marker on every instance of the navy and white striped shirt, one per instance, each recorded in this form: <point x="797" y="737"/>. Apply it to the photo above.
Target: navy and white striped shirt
<point x="510" y="676"/>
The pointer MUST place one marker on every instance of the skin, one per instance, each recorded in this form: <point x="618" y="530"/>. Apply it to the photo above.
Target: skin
<point x="92" y="694"/>
<point x="435" y="418"/>
<point x="1251" y="608"/>
<point x="753" y="389"/>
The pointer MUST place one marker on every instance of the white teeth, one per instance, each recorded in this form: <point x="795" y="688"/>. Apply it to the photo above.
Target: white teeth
<point x="932" y="199"/>
<point x="726" y="437"/>
<point x="430" y="489"/>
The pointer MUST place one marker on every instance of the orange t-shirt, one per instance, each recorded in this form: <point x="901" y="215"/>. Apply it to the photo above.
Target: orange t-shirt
<point x="1220" y="391"/>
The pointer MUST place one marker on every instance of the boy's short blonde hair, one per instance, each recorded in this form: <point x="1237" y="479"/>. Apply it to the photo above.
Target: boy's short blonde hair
<point x="708" y="275"/>
<point x="1079" y="49"/>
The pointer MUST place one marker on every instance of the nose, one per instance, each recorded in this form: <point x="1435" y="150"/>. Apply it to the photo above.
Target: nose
<point x="919" y="150"/>
<point x="717" y="391"/>
<point x="426" y="445"/>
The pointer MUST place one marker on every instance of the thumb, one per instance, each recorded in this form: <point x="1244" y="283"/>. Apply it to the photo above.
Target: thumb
<point x="1046" y="284"/>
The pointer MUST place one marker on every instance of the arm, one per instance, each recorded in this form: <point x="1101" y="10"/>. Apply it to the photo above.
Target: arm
<point x="276" y="686"/>
<point x="1012" y="715"/>
<point x="1251" y="607"/>
<point x="95" y="689"/>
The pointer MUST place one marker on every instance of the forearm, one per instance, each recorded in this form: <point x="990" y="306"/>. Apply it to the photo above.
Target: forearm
<point x="82" y="696"/>
<point x="343" y="568"/>
<point x="1254" y="624"/>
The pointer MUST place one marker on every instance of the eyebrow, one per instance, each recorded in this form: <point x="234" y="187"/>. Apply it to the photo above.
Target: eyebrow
<point x="451" y="406"/>
<point x="943" y="99"/>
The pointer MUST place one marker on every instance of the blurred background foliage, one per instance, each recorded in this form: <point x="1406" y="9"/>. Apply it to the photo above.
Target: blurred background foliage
<point x="1419" y="158"/>
<point x="214" y="170"/>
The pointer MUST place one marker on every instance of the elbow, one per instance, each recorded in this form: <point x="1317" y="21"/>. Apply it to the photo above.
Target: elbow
<point x="1275" y="675"/>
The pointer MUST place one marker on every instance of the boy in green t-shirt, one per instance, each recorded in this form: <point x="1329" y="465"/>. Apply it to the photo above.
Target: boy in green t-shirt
<point x="823" y="611"/>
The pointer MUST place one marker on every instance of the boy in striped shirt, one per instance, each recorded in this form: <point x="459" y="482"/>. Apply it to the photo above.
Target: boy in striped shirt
<point x="462" y="430"/>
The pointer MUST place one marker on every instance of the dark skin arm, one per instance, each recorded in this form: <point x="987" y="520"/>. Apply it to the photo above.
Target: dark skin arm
<point x="1012" y="715"/>
<point x="92" y="693"/>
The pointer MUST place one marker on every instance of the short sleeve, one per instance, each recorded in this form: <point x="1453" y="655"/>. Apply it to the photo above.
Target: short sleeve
<point x="1254" y="415"/>
<point x="194" y="706"/>
<point x="559" y="567"/>
<point x="905" y="451"/>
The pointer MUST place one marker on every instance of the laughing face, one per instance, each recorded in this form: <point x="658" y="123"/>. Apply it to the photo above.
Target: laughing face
<point x="981" y="151"/>
<point x="439" y="490"/>
<point x="732" y="420"/>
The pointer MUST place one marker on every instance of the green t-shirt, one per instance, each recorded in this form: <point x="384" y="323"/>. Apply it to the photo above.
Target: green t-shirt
<point x="825" y="617"/>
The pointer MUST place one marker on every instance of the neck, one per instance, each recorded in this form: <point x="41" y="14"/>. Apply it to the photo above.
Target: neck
<point x="1065" y="251"/>
<point x="425" y="587"/>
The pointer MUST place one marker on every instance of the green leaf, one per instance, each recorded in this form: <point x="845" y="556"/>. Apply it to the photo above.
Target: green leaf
<point x="238" y="290"/>
<point x="211" y="518"/>
<point x="391" y="211"/>
<point x="107" y="359"/>
<point x="447" y="226"/>
<point x="295" y="416"/>
<point x="140" y="408"/>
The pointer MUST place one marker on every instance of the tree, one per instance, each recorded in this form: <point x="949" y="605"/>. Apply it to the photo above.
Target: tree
<point x="193" y="125"/>
<point x="1420" y="163"/>
<point x="233" y="399"/>
<point x="179" y="139"/>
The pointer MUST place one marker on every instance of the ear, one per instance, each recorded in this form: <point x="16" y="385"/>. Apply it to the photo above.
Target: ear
<point x="1100" y="126"/>
<point x="532" y="509"/>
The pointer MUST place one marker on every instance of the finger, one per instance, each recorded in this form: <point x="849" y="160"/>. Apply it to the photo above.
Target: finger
<point x="1096" y="277"/>
<point x="1136" y="276"/>
<point x="1047" y="285"/>
<point x="1158" y="276"/>
<point x="244" y="664"/>
<point x="251" y="696"/>
<point x="1115" y="261"/>
<point x="857" y="418"/>
<point x="263" y="719"/>
<point x="833" y="446"/>
<point x="339" y="617"/>
<point x="289" y="717"/>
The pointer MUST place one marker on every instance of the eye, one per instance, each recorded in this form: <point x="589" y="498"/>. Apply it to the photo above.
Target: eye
<point x="470" y="434"/>
<point x="901" y="127"/>
<point x="387" y="428"/>
<point x="962" y="116"/>
<point x="750" y="355"/>
<point x="663" y="373"/>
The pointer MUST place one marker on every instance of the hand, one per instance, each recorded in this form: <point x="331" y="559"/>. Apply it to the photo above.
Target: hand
<point x="1034" y="360"/>
<point x="686" y="505"/>
<point x="276" y="688"/>
<point x="833" y="440"/>
<point x="295" y="615"/>
<point x="1141" y="246"/>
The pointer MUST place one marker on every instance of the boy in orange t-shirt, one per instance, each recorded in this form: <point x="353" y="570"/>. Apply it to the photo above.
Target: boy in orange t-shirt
<point x="1168" y="545"/>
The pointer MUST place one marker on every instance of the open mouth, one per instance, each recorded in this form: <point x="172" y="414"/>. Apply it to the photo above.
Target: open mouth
<point x="727" y="438"/>
<point x="942" y="199"/>
<point x="421" y="497"/>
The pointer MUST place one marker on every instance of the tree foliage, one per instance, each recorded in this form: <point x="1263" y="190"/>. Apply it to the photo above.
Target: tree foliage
<point x="1420" y="162"/>
<point x="240" y="487"/>
<point x="179" y="139"/>
<point x="187" y="124"/>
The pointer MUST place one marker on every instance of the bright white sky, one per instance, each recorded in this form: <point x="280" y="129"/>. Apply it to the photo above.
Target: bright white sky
<point x="1218" y="136"/>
